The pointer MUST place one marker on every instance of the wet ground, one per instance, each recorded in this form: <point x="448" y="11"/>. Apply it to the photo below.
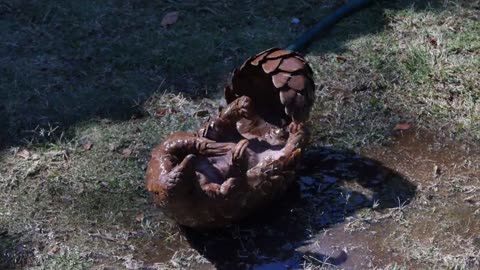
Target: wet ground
<point x="404" y="204"/>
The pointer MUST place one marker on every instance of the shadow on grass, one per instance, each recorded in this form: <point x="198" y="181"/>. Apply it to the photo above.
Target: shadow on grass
<point x="324" y="197"/>
<point x="63" y="63"/>
<point x="370" y="20"/>
<point x="12" y="253"/>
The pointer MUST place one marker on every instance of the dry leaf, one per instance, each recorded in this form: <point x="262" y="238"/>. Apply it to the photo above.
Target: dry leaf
<point x="470" y="200"/>
<point x="140" y="217"/>
<point x="24" y="154"/>
<point x="433" y="41"/>
<point x="112" y="147"/>
<point x="295" y="20"/>
<point x="127" y="152"/>
<point x="169" y="19"/>
<point x="160" y="112"/>
<point x="53" y="250"/>
<point x="403" y="126"/>
<point x="201" y="113"/>
<point x="88" y="145"/>
<point x="436" y="171"/>
<point x="341" y="59"/>
<point x="34" y="168"/>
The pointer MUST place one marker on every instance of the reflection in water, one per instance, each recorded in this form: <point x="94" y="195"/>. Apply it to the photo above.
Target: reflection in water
<point x="332" y="186"/>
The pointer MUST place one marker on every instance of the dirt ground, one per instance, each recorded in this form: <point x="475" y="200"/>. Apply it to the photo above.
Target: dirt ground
<point x="390" y="181"/>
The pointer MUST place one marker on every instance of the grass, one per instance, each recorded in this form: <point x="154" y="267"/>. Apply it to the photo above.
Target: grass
<point x="106" y="74"/>
<point x="110" y="56"/>
<point x="406" y="73"/>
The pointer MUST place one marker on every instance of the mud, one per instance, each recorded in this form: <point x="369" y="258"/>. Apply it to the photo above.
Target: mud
<point x="353" y="211"/>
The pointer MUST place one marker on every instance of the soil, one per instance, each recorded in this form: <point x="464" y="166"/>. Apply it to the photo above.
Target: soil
<point x="402" y="192"/>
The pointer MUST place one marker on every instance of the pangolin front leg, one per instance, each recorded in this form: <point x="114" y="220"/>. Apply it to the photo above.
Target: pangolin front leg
<point x="224" y="127"/>
<point x="240" y="156"/>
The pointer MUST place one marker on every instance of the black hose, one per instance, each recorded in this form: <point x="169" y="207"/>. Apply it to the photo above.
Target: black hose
<point x="326" y="23"/>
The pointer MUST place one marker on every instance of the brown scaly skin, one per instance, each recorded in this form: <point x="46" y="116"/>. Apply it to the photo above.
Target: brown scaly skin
<point x="280" y="84"/>
<point x="242" y="159"/>
<point x="245" y="180"/>
<point x="172" y="161"/>
<point x="239" y="120"/>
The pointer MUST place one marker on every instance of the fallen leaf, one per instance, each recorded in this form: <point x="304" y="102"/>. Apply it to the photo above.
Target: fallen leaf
<point x="103" y="184"/>
<point x="403" y="126"/>
<point x="470" y="200"/>
<point x="169" y="19"/>
<point x="66" y="155"/>
<point x="341" y="59"/>
<point x="24" y="154"/>
<point x="433" y="41"/>
<point x="53" y="250"/>
<point x="140" y="217"/>
<point x="295" y="20"/>
<point x="112" y="147"/>
<point x="103" y="237"/>
<point x="80" y="190"/>
<point x="67" y="198"/>
<point x="160" y="112"/>
<point x="87" y="145"/>
<point x="34" y="169"/>
<point x="436" y="171"/>
<point x="201" y="113"/>
<point x="127" y="152"/>
<point x="55" y="153"/>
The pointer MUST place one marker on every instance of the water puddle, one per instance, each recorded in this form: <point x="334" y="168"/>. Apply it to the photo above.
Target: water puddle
<point x="350" y="211"/>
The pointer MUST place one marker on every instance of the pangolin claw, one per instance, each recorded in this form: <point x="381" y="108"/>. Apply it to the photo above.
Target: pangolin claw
<point x="239" y="152"/>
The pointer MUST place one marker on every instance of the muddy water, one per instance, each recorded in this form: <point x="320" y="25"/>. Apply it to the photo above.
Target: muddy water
<point x="349" y="211"/>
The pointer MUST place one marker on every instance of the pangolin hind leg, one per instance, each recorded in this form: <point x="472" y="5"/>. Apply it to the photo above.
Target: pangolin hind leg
<point x="171" y="170"/>
<point x="239" y="162"/>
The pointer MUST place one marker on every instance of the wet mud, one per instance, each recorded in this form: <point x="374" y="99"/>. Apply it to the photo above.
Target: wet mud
<point x="350" y="211"/>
